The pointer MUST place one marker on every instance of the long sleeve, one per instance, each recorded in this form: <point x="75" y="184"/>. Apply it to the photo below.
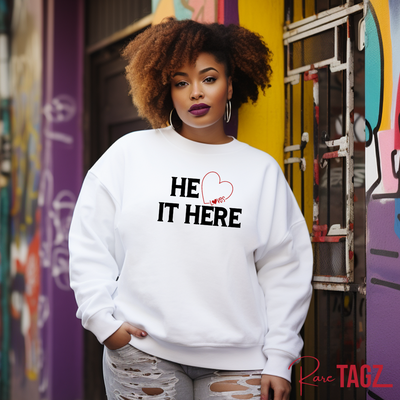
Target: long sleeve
<point x="284" y="268"/>
<point x="93" y="266"/>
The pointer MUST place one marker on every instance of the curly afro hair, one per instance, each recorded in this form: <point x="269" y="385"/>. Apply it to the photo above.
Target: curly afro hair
<point x="154" y="55"/>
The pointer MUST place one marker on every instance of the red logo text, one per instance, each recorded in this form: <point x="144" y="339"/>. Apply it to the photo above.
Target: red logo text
<point x="361" y="378"/>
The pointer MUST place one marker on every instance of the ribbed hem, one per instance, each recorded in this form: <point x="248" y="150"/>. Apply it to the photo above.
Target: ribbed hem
<point x="223" y="358"/>
<point x="278" y="364"/>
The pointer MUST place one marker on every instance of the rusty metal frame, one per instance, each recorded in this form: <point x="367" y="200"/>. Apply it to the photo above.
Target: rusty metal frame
<point x="334" y="61"/>
<point x="320" y="19"/>
<point x="340" y="148"/>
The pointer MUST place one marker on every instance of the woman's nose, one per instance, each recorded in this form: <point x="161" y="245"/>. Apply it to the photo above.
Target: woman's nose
<point x="196" y="93"/>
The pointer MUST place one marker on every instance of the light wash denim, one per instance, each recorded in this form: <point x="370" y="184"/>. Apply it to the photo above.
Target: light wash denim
<point x="131" y="374"/>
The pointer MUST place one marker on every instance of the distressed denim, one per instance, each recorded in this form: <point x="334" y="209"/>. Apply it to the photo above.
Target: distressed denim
<point x="131" y="374"/>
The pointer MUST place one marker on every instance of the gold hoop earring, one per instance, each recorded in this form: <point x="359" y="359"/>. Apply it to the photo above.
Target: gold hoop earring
<point x="228" y="111"/>
<point x="170" y="118"/>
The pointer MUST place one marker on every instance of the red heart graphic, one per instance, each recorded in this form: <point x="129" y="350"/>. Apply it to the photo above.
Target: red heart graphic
<point x="214" y="190"/>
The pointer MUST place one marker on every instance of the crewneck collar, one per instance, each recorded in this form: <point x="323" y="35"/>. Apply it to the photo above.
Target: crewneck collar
<point x="195" y="147"/>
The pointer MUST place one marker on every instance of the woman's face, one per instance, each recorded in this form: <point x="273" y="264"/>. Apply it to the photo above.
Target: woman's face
<point x="200" y="92"/>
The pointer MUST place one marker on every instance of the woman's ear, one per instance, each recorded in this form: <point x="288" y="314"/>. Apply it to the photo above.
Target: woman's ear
<point x="230" y="88"/>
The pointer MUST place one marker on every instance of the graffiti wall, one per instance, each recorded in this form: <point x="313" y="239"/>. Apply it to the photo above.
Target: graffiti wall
<point x="382" y="111"/>
<point x="46" y="338"/>
<point x="26" y="67"/>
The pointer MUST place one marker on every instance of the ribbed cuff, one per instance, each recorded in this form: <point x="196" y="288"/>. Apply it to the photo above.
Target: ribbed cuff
<point x="103" y="325"/>
<point x="278" y="363"/>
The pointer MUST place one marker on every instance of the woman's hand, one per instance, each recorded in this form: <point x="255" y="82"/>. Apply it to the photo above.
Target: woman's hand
<point x="122" y="336"/>
<point x="280" y="386"/>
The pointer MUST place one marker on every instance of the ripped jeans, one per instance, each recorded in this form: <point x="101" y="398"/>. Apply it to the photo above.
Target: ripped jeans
<point x="131" y="374"/>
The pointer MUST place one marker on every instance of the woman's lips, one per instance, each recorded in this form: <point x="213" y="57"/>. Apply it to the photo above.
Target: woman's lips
<point x="199" y="109"/>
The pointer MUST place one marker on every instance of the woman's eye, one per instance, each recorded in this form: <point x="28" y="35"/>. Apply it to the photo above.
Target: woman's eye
<point x="210" y="79"/>
<point x="181" y="84"/>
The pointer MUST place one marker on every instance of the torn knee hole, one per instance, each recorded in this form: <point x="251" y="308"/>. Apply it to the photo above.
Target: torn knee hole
<point x="152" y="391"/>
<point x="227" y="386"/>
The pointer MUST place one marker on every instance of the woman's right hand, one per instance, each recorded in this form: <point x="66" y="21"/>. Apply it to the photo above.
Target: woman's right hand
<point x="122" y="336"/>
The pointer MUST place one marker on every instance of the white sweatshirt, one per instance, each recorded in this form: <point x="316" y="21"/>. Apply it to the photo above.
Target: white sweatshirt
<point x="202" y="246"/>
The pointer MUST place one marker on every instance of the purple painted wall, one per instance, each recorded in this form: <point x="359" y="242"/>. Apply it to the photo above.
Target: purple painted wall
<point x="61" y="178"/>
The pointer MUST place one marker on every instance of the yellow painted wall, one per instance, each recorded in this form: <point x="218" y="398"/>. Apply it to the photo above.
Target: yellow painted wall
<point x="263" y="125"/>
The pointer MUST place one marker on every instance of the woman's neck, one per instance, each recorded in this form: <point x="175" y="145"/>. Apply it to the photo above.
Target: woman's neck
<point x="208" y="135"/>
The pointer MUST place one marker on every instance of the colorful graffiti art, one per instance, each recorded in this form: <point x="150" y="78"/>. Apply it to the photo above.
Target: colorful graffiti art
<point x="383" y="192"/>
<point x="198" y="10"/>
<point x="25" y="214"/>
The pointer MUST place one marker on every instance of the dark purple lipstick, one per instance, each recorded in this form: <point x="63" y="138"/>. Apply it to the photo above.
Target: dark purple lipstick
<point x="199" y="109"/>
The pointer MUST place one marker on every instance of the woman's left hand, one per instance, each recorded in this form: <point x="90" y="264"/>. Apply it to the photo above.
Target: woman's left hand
<point x="280" y="386"/>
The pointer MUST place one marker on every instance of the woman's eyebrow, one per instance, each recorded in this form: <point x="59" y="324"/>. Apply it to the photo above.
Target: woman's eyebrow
<point x="200" y="72"/>
<point x="180" y="74"/>
<point x="208" y="69"/>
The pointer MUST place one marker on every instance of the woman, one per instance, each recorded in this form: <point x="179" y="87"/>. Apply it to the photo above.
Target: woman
<point x="190" y="259"/>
